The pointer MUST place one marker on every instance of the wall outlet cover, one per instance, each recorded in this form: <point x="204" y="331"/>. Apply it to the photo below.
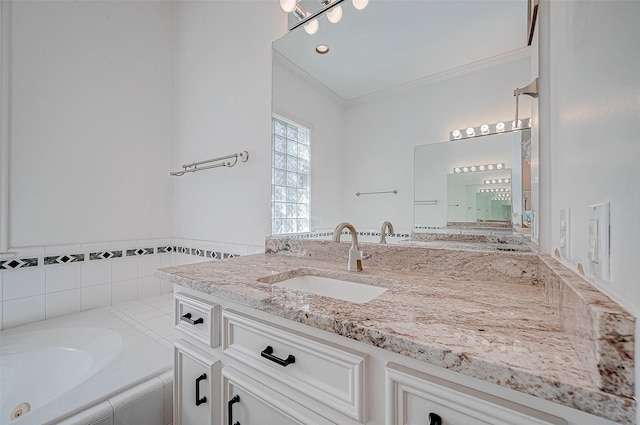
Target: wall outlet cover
<point x="599" y="240"/>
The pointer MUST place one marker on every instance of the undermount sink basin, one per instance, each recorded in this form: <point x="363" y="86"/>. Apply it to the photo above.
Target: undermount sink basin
<point x="358" y="293"/>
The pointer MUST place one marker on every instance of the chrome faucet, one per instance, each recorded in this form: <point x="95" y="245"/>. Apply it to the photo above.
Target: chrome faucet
<point x="354" y="264"/>
<point x="383" y="232"/>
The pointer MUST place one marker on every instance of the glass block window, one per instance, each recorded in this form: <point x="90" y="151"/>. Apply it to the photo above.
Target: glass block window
<point x="289" y="177"/>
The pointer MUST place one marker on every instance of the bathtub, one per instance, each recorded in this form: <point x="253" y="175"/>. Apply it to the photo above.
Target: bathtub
<point x="52" y="370"/>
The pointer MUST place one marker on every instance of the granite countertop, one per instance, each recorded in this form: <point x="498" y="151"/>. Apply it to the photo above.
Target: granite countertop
<point x="502" y="332"/>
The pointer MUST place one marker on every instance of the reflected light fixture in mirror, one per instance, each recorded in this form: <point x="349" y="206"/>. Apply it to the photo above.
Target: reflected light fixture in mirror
<point x="473" y="168"/>
<point x="309" y="20"/>
<point x="487" y="129"/>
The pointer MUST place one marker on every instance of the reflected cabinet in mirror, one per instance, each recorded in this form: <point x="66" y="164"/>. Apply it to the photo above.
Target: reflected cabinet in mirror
<point x="399" y="74"/>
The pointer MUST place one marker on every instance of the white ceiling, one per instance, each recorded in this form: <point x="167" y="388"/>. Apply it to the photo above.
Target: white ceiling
<point x="392" y="42"/>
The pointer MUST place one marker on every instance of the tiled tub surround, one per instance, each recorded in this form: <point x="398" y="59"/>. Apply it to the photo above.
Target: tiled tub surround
<point x="119" y="370"/>
<point x="51" y="281"/>
<point x="483" y="314"/>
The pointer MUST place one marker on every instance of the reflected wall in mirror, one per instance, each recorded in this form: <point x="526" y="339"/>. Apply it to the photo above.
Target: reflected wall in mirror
<point x="466" y="199"/>
<point x="397" y="75"/>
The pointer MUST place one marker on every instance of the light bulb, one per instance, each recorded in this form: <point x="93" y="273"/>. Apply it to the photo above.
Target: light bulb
<point x="493" y="181"/>
<point x="515" y="125"/>
<point x="312" y="27"/>
<point x="482" y="168"/>
<point x="489" y="167"/>
<point x="499" y="166"/>
<point x="506" y="180"/>
<point x="456" y="170"/>
<point x="484" y="129"/>
<point x="360" y="4"/>
<point x="499" y="180"/>
<point x="529" y="122"/>
<point x="335" y="14"/>
<point x="456" y="134"/>
<point x="500" y="127"/>
<point x="288" y="5"/>
<point x="471" y="132"/>
<point x="465" y="169"/>
<point x="487" y="182"/>
<point x="473" y="168"/>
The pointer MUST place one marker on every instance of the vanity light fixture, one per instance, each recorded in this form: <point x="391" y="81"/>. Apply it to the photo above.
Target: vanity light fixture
<point x="309" y="20"/>
<point x="335" y="14"/>
<point x="360" y="4"/>
<point x="488" y="129"/>
<point x="475" y="168"/>
<point x="497" y="181"/>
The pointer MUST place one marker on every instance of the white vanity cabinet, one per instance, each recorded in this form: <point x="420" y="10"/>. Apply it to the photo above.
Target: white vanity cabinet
<point x="286" y="373"/>
<point x="196" y="386"/>
<point x="418" y="398"/>
<point x="250" y="402"/>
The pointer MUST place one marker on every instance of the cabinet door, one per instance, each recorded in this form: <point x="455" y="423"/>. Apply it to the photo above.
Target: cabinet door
<point x="196" y="386"/>
<point x="249" y="402"/>
<point x="416" y="398"/>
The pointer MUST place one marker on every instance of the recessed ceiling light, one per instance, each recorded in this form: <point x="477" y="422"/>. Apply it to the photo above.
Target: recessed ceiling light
<point x="322" y="49"/>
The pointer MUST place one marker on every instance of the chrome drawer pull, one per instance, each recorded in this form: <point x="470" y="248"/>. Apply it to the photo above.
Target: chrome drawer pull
<point x="199" y="400"/>
<point x="267" y="353"/>
<point x="187" y="318"/>
<point x="434" y="419"/>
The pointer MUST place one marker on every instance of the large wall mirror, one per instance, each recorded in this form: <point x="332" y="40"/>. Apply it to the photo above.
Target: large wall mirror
<point x="398" y="76"/>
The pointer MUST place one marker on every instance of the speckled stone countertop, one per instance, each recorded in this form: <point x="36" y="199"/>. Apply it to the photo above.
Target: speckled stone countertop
<point x="493" y="323"/>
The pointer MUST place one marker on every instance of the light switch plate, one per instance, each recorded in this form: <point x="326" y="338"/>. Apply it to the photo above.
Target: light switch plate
<point x="565" y="220"/>
<point x="599" y="233"/>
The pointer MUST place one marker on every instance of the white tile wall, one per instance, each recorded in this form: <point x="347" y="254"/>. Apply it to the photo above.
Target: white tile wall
<point x="63" y="277"/>
<point x="124" y="269"/>
<point x="23" y="283"/>
<point x="96" y="296"/>
<point x="148" y="287"/>
<point x="126" y="290"/>
<point x="34" y="293"/>
<point x="64" y="302"/>
<point x="22" y="311"/>
<point x="96" y="272"/>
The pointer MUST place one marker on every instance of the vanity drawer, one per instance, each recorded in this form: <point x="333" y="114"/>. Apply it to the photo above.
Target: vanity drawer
<point x="198" y="319"/>
<point x="304" y="368"/>
<point x="413" y="397"/>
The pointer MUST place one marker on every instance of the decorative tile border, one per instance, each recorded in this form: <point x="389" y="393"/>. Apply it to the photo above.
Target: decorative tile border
<point x="18" y="263"/>
<point x="63" y="259"/>
<point x="24" y="262"/>
<point x="105" y="255"/>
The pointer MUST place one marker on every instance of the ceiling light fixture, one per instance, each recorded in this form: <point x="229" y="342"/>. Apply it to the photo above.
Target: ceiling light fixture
<point x="322" y="49"/>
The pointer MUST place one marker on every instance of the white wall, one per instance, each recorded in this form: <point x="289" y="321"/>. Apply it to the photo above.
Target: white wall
<point x="223" y="105"/>
<point x="91" y="121"/>
<point x="301" y="99"/>
<point x="593" y="91"/>
<point x="382" y="133"/>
